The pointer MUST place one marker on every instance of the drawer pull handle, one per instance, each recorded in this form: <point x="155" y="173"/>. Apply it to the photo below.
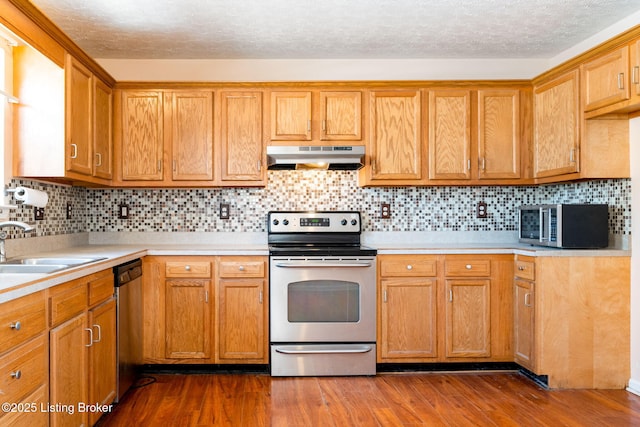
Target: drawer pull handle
<point x="16" y="375"/>
<point x="187" y="267"/>
<point x="16" y="326"/>
<point x="409" y="267"/>
<point x="521" y="267"/>
<point x="468" y="266"/>
<point x="241" y="268"/>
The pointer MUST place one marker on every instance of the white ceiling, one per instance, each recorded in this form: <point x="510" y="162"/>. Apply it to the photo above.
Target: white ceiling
<point x="331" y="29"/>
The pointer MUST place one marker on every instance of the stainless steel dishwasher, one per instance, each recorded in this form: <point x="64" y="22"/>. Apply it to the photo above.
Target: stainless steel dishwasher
<point x="128" y="285"/>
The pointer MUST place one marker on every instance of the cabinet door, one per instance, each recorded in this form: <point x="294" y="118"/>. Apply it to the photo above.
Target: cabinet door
<point x="102" y="356"/>
<point x="468" y="318"/>
<point x="634" y="65"/>
<point x="188" y="317"/>
<point x="241" y="320"/>
<point x="407" y="319"/>
<point x="290" y="116"/>
<point x="241" y="141"/>
<point x="524" y="323"/>
<point x="396" y="141"/>
<point x="605" y="79"/>
<point x="192" y="136"/>
<point x="78" y="102"/>
<point x="341" y="116"/>
<point x="142" y="135"/>
<point x="102" y="125"/>
<point x="498" y="134"/>
<point x="449" y="134"/>
<point x="556" y="128"/>
<point x="68" y="370"/>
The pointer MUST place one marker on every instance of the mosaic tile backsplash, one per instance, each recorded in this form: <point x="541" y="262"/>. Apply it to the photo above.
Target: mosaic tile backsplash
<point x="413" y="208"/>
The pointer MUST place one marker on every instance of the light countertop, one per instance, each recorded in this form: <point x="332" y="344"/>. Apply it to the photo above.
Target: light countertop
<point x="16" y="285"/>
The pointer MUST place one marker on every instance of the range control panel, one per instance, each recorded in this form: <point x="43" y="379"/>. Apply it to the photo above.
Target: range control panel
<point x="314" y="222"/>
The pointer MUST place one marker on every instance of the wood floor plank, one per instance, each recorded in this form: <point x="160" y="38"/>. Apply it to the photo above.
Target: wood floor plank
<point x="417" y="399"/>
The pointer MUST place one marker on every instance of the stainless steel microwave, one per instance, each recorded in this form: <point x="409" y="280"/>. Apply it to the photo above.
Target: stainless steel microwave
<point x="577" y="226"/>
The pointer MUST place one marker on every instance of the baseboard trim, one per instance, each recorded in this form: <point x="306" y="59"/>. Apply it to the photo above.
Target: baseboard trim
<point x="634" y="387"/>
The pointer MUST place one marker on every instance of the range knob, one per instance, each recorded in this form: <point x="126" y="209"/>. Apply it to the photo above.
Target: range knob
<point x="275" y="222"/>
<point x="354" y="221"/>
<point x="285" y="222"/>
<point x="343" y="222"/>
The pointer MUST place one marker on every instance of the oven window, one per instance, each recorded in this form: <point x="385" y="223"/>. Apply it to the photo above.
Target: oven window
<point x="323" y="301"/>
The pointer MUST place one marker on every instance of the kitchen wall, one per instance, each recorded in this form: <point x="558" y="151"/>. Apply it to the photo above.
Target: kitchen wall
<point x="413" y="208"/>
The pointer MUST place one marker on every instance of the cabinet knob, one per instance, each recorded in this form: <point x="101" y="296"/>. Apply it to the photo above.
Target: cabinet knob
<point x="468" y="266"/>
<point x="16" y="375"/>
<point x="187" y="267"/>
<point x="521" y="267"/>
<point x="241" y="268"/>
<point x="409" y="267"/>
<point x="16" y="326"/>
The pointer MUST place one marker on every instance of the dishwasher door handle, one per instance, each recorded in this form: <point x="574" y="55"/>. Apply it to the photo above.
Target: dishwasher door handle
<point x="320" y="350"/>
<point x="323" y="264"/>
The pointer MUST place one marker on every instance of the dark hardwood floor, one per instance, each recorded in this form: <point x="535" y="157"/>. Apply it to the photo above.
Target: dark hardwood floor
<point x="417" y="399"/>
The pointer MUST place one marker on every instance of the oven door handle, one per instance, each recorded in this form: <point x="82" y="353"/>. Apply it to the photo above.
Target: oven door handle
<point x="306" y="264"/>
<point x="358" y="349"/>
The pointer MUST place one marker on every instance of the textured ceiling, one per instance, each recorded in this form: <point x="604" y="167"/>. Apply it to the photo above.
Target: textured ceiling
<point x="331" y="29"/>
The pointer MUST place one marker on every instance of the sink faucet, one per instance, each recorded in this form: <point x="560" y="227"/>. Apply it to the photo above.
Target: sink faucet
<point x="3" y="234"/>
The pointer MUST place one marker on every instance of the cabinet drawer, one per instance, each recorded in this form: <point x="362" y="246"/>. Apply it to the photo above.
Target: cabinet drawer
<point x="21" y="319"/>
<point x="408" y="266"/>
<point x="241" y="267"/>
<point x="188" y="269"/>
<point x="23" y="370"/>
<point x="35" y="417"/>
<point x="525" y="270"/>
<point x="101" y="288"/>
<point x="65" y="301"/>
<point x="467" y="268"/>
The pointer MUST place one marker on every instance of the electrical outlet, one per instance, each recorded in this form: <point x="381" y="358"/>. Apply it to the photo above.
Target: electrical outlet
<point x="481" y="210"/>
<point x="224" y="210"/>
<point x="123" y="211"/>
<point x="69" y="210"/>
<point x="385" y="211"/>
<point x="38" y="214"/>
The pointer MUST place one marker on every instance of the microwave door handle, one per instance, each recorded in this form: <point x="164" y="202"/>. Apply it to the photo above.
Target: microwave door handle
<point x="541" y="225"/>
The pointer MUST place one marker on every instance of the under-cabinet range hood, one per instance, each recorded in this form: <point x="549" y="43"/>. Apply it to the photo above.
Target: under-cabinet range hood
<point x="350" y="157"/>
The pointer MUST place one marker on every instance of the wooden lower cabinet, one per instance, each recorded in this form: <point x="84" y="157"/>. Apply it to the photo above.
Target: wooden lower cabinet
<point x="102" y="356"/>
<point x="574" y="326"/>
<point x="445" y="308"/>
<point x="68" y="374"/>
<point x="82" y="354"/>
<point x="205" y="309"/>
<point x="407" y="318"/>
<point x="468" y="318"/>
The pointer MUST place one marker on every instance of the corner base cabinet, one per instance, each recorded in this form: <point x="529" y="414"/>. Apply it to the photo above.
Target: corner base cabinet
<point x="572" y="320"/>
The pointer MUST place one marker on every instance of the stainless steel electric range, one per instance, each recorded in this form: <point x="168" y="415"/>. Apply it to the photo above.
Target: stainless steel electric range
<point x="322" y="295"/>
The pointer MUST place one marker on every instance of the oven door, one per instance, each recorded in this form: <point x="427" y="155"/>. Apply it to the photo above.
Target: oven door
<point x="323" y="299"/>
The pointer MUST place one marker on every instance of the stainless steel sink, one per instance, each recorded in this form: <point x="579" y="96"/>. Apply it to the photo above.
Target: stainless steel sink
<point x="30" y="269"/>
<point x="31" y="265"/>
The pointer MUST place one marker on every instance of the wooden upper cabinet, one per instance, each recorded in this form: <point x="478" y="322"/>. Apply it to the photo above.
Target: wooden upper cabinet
<point x="102" y="130"/>
<point x="634" y="64"/>
<point x="341" y="114"/>
<point x="79" y="98"/>
<point x="291" y="116"/>
<point x="556" y="126"/>
<point x="605" y="79"/>
<point x="449" y="134"/>
<point x="498" y="134"/>
<point x="241" y="149"/>
<point x="142" y="136"/>
<point x="395" y="143"/>
<point x="192" y="136"/>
